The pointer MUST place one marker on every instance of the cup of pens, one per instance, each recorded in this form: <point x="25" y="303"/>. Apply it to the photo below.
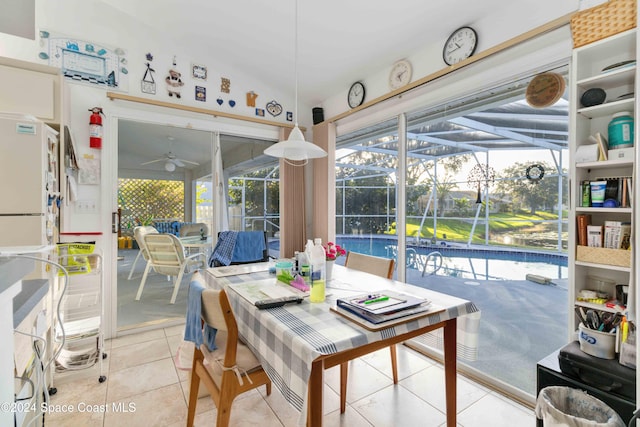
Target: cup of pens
<point x="597" y="343"/>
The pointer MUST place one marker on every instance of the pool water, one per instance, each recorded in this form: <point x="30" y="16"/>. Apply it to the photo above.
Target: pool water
<point x="466" y="263"/>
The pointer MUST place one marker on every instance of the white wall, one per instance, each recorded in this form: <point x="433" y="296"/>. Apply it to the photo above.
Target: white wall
<point x="509" y="22"/>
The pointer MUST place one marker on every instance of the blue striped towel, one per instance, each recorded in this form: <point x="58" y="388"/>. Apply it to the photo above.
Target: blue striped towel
<point x="193" y="326"/>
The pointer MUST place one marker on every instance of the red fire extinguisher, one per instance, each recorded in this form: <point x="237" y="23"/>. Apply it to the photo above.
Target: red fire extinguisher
<point x="95" y="128"/>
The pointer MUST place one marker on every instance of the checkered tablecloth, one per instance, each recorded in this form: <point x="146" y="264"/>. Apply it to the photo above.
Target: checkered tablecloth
<point x="288" y="339"/>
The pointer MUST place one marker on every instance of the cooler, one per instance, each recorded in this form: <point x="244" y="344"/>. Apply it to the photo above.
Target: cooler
<point x="604" y="374"/>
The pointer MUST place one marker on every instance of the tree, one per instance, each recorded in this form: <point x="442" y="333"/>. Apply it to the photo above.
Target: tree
<point x="534" y="194"/>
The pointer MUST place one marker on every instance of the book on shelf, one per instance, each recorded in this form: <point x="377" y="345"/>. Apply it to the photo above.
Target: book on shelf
<point x="594" y="236"/>
<point x="618" y="188"/>
<point x="583" y="220"/>
<point x="612" y="234"/>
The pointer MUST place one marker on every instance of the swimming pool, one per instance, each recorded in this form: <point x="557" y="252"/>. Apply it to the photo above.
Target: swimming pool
<point x="467" y="263"/>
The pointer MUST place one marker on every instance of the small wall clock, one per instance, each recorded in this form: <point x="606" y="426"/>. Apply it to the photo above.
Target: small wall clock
<point x="355" y="98"/>
<point x="545" y="90"/>
<point x="460" y="45"/>
<point x="400" y="74"/>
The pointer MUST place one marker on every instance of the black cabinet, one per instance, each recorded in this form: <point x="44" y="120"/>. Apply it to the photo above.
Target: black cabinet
<point x="549" y="374"/>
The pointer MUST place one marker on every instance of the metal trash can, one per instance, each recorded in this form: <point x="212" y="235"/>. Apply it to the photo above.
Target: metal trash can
<point x="570" y="407"/>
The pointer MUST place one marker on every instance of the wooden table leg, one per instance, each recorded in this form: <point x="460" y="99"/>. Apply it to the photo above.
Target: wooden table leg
<point x="316" y="383"/>
<point x="450" y="374"/>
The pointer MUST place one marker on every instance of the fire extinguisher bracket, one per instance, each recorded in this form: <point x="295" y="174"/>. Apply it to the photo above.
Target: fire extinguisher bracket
<point x="95" y="128"/>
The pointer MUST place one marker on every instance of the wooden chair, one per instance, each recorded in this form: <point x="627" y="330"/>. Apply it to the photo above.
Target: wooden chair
<point x="167" y="256"/>
<point x="231" y="369"/>
<point x="138" y="233"/>
<point x="382" y="267"/>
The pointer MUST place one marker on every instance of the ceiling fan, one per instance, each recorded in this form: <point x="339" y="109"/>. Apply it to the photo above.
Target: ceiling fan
<point x="171" y="161"/>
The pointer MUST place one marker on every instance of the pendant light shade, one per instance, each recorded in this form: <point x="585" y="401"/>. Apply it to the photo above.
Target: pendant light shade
<point x="295" y="147"/>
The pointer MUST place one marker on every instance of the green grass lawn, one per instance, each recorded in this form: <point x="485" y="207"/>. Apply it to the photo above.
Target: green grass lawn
<point x="459" y="230"/>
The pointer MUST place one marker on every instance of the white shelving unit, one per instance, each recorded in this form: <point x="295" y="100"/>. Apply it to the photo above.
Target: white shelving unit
<point x="587" y="73"/>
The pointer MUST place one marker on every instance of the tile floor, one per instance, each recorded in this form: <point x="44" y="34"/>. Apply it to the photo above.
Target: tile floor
<point x="144" y="388"/>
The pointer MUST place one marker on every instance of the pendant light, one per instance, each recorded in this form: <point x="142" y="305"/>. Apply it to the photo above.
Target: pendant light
<point x="295" y="147"/>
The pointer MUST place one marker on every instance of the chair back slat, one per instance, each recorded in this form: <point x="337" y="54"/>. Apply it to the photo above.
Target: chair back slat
<point x="138" y="233"/>
<point x="379" y="266"/>
<point x="166" y="253"/>
<point x="212" y="312"/>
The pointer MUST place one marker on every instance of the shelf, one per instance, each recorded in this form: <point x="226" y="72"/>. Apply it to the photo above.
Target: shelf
<point x="600" y="307"/>
<point x="603" y="266"/>
<point x="608" y="109"/>
<point x="604" y="210"/>
<point x="609" y="80"/>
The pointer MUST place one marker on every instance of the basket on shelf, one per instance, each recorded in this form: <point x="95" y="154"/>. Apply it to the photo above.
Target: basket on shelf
<point x="602" y="21"/>
<point x="606" y="256"/>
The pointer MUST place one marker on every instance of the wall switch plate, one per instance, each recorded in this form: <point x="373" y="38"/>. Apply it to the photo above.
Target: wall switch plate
<point x="86" y="206"/>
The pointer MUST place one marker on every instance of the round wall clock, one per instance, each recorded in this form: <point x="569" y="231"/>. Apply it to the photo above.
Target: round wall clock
<point x="400" y="74"/>
<point x="460" y="45"/>
<point x="545" y="90"/>
<point x="355" y="98"/>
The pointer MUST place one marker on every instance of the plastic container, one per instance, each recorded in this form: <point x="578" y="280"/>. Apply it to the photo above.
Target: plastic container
<point x="597" y="193"/>
<point x="318" y="272"/>
<point x="621" y="130"/>
<point x="596" y="343"/>
<point x="283" y="267"/>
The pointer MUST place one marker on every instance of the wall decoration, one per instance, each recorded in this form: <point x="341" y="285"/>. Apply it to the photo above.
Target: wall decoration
<point x="274" y="108"/>
<point x="148" y="83"/>
<point x="232" y="103"/>
<point x="201" y="93"/>
<point x="84" y="61"/>
<point x="289" y="116"/>
<point x="174" y="81"/>
<point x="251" y="99"/>
<point x="535" y="173"/>
<point x="199" y="72"/>
<point x="220" y="101"/>
<point x="225" y="85"/>
<point x="259" y="112"/>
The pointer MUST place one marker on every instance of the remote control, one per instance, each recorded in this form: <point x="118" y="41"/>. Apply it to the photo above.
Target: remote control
<point x="264" y="304"/>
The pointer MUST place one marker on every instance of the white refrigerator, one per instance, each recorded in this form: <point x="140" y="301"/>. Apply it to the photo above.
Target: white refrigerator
<point x="29" y="192"/>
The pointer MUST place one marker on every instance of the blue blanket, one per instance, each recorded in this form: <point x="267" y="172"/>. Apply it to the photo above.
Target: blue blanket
<point x="238" y="247"/>
<point x="193" y="327"/>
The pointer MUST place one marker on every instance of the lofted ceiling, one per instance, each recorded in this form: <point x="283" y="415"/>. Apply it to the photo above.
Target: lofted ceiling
<point x="338" y="42"/>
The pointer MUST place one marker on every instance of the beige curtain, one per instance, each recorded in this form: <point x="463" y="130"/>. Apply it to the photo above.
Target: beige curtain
<point x="292" y="211"/>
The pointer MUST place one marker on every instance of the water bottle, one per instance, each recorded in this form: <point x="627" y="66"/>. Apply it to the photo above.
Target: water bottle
<point x="305" y="262"/>
<point x="318" y="271"/>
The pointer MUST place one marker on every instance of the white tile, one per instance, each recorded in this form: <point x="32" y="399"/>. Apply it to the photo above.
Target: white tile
<point x="159" y="407"/>
<point x="396" y="406"/>
<point x="138" y="354"/>
<point x="363" y="379"/>
<point x="139" y="379"/>
<point x="428" y="385"/>
<point x="137" y="338"/>
<point x="495" y="412"/>
<point x="409" y="361"/>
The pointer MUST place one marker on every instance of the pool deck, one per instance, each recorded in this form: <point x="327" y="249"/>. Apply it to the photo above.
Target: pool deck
<point x="522" y="322"/>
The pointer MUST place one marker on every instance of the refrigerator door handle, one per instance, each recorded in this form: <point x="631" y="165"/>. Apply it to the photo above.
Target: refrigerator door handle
<point x="115" y="223"/>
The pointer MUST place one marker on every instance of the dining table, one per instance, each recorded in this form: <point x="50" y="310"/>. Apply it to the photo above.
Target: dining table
<point x="296" y="343"/>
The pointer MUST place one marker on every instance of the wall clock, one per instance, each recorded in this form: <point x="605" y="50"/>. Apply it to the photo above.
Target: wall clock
<point x="400" y="74"/>
<point x="355" y="98"/>
<point x="545" y="89"/>
<point x="460" y="45"/>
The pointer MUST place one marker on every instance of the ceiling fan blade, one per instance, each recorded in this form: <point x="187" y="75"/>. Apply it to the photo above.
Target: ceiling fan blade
<point x="152" y="161"/>
<point x="190" y="162"/>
